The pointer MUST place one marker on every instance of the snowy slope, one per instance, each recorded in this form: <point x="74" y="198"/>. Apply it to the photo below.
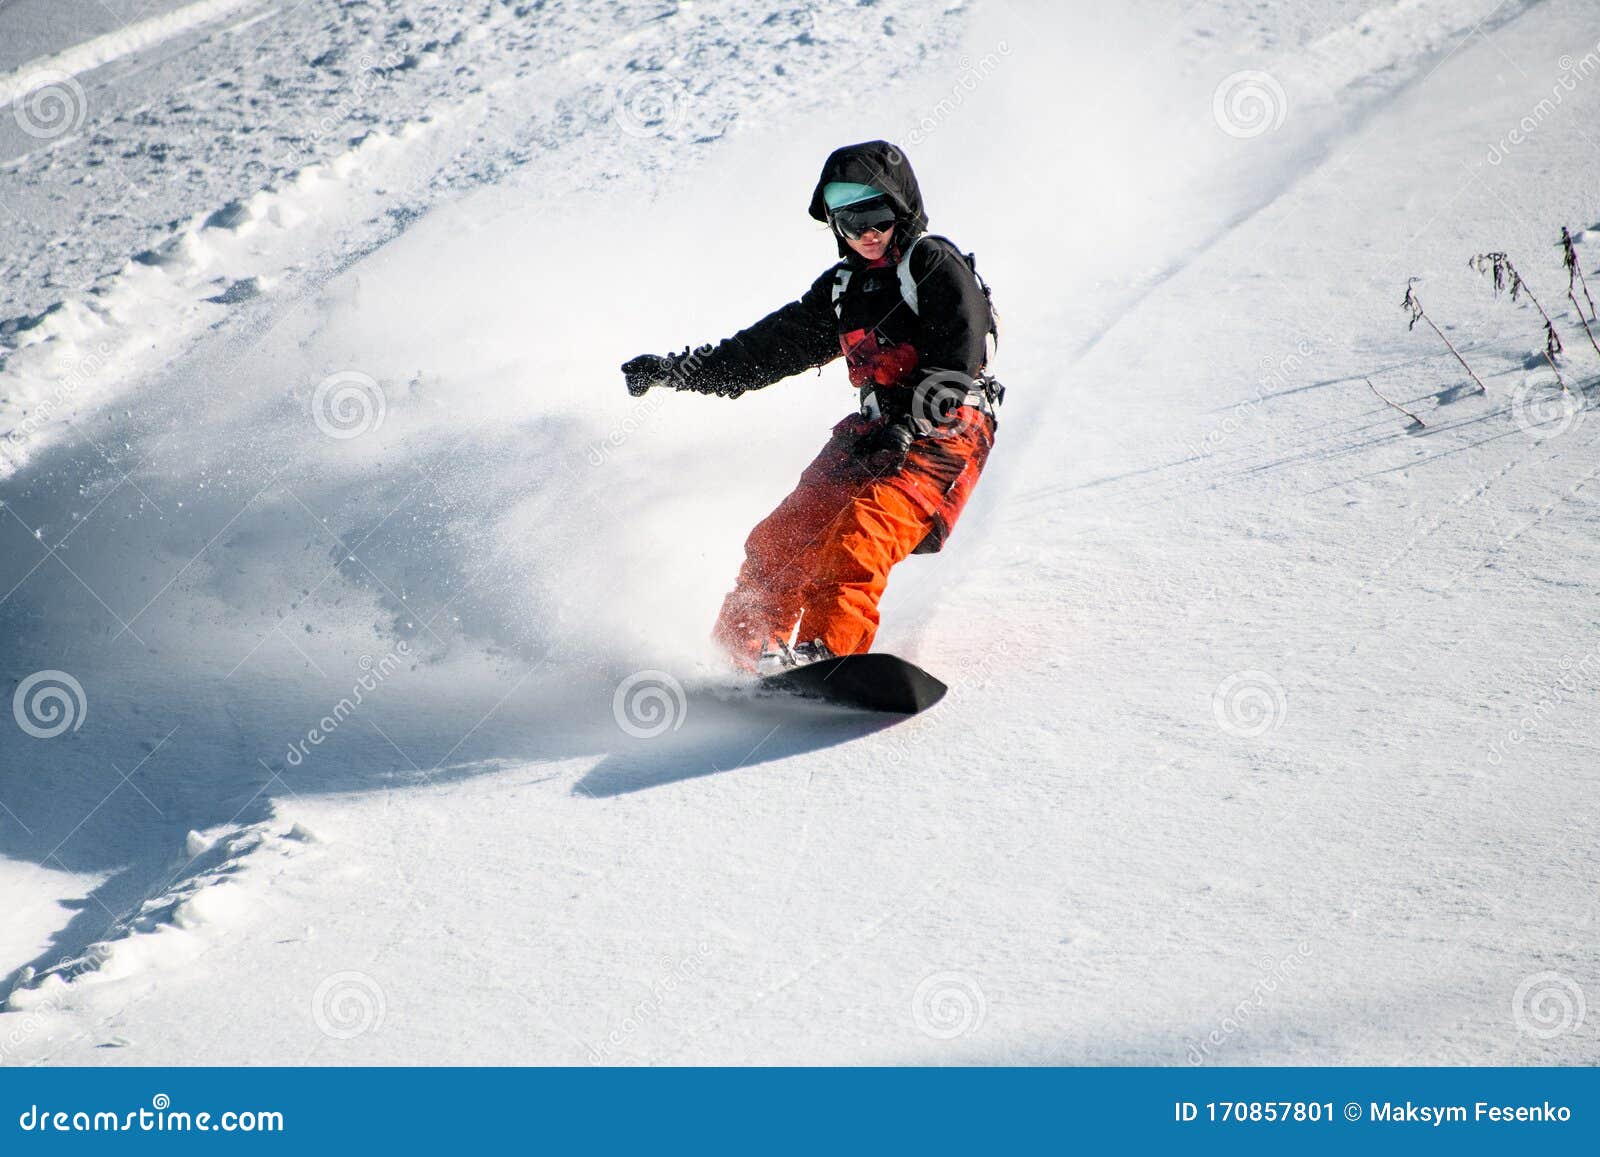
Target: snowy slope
<point x="356" y="571"/>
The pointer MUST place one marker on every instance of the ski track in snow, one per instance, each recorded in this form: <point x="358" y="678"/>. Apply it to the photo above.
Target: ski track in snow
<point x="63" y="67"/>
<point x="1247" y="639"/>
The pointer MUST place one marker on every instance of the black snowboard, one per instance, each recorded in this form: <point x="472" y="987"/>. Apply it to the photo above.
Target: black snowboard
<point x="870" y="682"/>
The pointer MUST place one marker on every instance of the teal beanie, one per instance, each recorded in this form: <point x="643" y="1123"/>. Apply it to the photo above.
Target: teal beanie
<point x="838" y="194"/>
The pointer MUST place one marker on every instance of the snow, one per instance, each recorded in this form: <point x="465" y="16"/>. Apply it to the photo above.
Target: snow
<point x="125" y="40"/>
<point x="358" y="576"/>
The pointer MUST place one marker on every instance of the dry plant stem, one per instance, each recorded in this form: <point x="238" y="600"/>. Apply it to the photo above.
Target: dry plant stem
<point x="1455" y="351"/>
<point x="1498" y="266"/>
<point x="1575" y="267"/>
<point x="1583" y="322"/>
<point x="1559" y="379"/>
<point x="1550" y="326"/>
<point x="1396" y="406"/>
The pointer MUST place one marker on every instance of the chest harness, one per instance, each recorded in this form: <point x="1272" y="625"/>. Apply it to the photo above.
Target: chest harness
<point x="983" y="393"/>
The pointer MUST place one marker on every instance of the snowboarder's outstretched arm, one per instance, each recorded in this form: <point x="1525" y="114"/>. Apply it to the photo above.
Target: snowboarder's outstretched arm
<point x="800" y="336"/>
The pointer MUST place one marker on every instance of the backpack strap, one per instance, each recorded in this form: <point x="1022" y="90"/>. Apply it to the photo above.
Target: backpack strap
<point x="841" y="281"/>
<point x="908" y="283"/>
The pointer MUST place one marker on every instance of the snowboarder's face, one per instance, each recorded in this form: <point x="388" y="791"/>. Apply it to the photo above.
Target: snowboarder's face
<point x="872" y="244"/>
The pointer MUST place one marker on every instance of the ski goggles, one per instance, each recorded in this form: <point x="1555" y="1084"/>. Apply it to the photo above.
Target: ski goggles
<point x="869" y="216"/>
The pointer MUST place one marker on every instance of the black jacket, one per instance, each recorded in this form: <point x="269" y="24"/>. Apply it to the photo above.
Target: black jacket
<point x="948" y="331"/>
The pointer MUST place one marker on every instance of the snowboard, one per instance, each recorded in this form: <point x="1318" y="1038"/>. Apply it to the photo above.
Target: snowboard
<point x="870" y="682"/>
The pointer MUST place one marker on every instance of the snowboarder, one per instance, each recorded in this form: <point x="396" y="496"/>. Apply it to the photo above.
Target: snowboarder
<point x="912" y="320"/>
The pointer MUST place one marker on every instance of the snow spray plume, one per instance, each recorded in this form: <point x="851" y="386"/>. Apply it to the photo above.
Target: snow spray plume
<point x="649" y="703"/>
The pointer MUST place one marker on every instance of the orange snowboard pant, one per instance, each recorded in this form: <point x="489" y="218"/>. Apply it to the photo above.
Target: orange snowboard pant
<point x="823" y="557"/>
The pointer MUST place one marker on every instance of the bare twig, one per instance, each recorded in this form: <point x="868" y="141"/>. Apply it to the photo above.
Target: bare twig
<point x="1402" y="409"/>
<point x="1413" y="305"/>
<point x="1499" y="266"/>
<point x="1575" y="280"/>
<point x="1583" y="322"/>
<point x="1569" y="257"/>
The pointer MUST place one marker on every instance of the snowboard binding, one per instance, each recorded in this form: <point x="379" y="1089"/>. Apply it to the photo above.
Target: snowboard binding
<point x="780" y="655"/>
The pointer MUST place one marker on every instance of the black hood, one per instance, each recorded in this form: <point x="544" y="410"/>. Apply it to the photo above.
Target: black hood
<point x="881" y="165"/>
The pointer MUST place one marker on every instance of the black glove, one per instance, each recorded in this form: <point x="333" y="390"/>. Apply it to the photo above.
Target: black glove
<point x="685" y="371"/>
<point x="648" y="370"/>
<point x="884" y="449"/>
